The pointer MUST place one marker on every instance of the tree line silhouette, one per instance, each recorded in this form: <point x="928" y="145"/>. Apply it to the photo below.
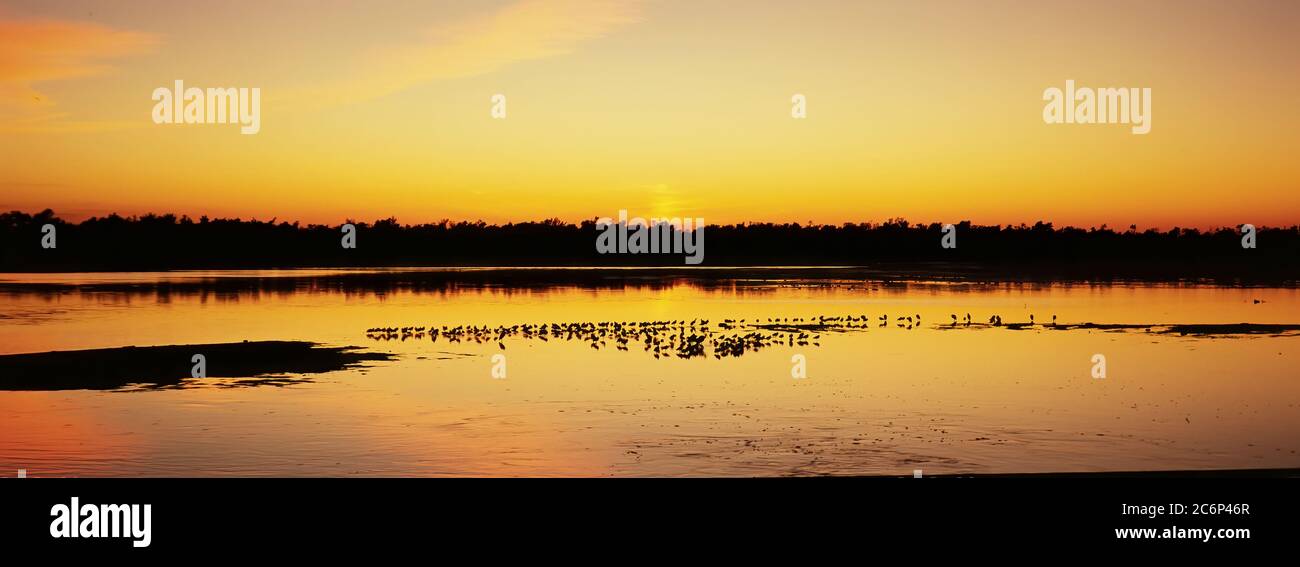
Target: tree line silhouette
<point x="166" y="241"/>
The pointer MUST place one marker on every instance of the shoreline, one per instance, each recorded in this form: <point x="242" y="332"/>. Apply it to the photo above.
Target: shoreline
<point x="170" y="366"/>
<point x="417" y="277"/>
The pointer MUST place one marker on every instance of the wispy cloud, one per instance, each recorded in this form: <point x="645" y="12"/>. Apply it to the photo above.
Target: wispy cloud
<point x="40" y="51"/>
<point x="522" y="31"/>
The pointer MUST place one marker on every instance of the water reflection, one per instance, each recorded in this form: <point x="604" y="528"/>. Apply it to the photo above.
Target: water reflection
<point x="1200" y="377"/>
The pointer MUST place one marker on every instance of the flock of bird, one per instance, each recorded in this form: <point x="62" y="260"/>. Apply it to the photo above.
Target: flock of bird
<point x="674" y="338"/>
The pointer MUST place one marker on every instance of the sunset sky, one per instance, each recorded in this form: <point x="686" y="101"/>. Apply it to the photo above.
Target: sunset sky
<point x="928" y="110"/>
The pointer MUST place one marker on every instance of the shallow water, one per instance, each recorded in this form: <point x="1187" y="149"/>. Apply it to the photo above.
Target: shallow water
<point x="886" y="400"/>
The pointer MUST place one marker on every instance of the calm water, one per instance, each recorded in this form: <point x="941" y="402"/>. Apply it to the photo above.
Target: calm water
<point x="886" y="400"/>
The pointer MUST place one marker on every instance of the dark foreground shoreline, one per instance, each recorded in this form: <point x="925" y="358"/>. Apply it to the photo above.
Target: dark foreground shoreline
<point x="249" y="363"/>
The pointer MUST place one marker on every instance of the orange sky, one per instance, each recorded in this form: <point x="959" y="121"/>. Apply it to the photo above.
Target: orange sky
<point x="929" y="110"/>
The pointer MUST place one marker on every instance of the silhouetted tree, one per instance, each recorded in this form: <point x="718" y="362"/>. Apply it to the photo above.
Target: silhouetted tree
<point x="164" y="241"/>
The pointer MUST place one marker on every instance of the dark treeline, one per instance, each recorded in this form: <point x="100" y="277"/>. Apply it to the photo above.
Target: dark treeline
<point x="156" y="242"/>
